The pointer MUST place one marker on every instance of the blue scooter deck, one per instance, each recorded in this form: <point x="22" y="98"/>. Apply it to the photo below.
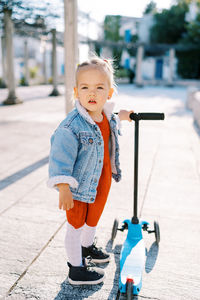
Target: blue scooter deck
<point x="133" y="257"/>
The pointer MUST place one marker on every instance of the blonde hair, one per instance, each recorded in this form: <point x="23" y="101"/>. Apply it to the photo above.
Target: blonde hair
<point x="97" y="62"/>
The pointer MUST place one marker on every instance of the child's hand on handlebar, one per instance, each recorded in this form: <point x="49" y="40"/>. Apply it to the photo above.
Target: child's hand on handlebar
<point x="124" y="115"/>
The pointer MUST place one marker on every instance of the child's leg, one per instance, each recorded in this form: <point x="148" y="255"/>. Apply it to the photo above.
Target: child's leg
<point x="87" y="236"/>
<point x="76" y="219"/>
<point x="94" y="213"/>
<point x="95" y="209"/>
<point x="73" y="245"/>
<point x="79" y="272"/>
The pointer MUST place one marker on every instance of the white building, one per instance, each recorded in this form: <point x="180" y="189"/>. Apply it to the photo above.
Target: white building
<point x="145" y="25"/>
<point x="36" y="57"/>
<point x="192" y="13"/>
<point x="152" y="68"/>
<point x="129" y="27"/>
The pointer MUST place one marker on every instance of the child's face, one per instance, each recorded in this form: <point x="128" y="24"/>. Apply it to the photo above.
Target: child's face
<point x="93" y="89"/>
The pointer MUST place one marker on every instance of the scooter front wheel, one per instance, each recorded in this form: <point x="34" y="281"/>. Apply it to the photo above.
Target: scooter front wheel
<point x="114" y="229"/>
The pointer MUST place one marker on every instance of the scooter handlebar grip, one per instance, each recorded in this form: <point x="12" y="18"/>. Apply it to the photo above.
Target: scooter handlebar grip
<point x="147" y="116"/>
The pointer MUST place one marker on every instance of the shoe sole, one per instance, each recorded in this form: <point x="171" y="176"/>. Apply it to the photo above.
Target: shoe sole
<point x="73" y="282"/>
<point x="100" y="261"/>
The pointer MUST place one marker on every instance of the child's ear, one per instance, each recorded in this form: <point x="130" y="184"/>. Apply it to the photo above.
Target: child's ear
<point x="76" y="92"/>
<point x="110" y="93"/>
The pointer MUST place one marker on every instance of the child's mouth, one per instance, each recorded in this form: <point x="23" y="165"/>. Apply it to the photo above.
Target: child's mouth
<point x="92" y="101"/>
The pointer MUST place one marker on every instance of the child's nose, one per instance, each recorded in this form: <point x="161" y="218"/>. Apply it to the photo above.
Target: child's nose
<point x="92" y="91"/>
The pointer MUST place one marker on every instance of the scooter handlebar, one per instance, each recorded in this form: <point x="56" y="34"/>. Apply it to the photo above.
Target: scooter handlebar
<point x="147" y="116"/>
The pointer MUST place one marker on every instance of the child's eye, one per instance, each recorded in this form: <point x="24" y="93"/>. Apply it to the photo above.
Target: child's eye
<point x="84" y="88"/>
<point x="100" y="88"/>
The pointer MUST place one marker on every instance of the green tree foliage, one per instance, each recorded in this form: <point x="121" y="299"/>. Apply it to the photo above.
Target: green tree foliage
<point x="111" y="28"/>
<point x="32" y="12"/>
<point x="111" y="33"/>
<point x="170" y="25"/>
<point x="192" y="35"/>
<point x="189" y="59"/>
<point x="187" y="2"/>
<point x="188" y="64"/>
<point x="150" y="8"/>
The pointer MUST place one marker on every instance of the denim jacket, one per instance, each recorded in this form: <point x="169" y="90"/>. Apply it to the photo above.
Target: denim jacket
<point x="77" y="153"/>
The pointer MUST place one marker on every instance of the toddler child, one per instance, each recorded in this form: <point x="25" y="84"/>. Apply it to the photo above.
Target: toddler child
<point x="83" y="159"/>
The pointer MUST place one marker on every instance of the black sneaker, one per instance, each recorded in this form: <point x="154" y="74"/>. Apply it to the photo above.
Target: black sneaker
<point x="86" y="274"/>
<point x="97" y="254"/>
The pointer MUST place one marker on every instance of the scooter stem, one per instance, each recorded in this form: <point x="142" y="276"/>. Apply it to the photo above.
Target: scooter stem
<point x="137" y="117"/>
<point x="135" y="219"/>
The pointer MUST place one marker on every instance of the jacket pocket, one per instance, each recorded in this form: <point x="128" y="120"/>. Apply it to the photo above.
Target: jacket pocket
<point x="86" y="140"/>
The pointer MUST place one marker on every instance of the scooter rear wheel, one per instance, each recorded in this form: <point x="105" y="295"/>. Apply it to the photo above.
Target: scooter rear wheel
<point x="129" y="289"/>
<point x="157" y="232"/>
<point x="114" y="229"/>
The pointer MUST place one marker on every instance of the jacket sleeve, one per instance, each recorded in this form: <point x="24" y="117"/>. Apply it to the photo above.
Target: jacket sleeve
<point x="119" y="125"/>
<point x="63" y="154"/>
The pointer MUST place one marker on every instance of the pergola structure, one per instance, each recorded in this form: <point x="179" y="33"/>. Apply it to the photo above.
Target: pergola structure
<point x="37" y="30"/>
<point x="141" y="49"/>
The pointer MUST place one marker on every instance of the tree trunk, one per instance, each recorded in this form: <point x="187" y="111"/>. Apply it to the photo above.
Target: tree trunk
<point x="3" y="55"/>
<point x="139" y="58"/>
<point x="55" y="91"/>
<point x="71" y="51"/>
<point x="171" y="67"/>
<point x="12" y="98"/>
<point x="26" y="70"/>
<point x="44" y="61"/>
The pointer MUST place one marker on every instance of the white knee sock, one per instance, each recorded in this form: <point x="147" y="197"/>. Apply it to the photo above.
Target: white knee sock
<point x="87" y="236"/>
<point x="73" y="245"/>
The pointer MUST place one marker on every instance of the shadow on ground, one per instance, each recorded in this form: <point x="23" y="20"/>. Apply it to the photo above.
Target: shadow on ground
<point x="5" y="182"/>
<point x="152" y="255"/>
<point x="117" y="249"/>
<point x="69" y="292"/>
<point x="196" y="128"/>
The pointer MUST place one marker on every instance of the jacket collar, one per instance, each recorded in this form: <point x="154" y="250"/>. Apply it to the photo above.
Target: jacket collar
<point x="108" y="108"/>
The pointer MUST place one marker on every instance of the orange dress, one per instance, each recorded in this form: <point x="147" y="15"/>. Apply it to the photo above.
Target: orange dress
<point x="90" y="213"/>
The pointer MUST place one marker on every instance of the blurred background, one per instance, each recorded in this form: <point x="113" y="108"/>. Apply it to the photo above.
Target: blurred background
<point x="151" y="41"/>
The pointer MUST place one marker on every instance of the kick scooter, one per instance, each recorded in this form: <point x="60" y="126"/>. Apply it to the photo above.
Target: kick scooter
<point x="133" y="254"/>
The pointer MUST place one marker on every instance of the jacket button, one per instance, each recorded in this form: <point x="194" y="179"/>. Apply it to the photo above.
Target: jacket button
<point x="91" y="199"/>
<point x="95" y="180"/>
<point x="99" y="143"/>
<point x="90" y="141"/>
<point x="99" y="161"/>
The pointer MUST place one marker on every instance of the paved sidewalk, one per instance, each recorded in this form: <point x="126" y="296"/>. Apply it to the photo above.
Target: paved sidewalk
<point x="32" y="229"/>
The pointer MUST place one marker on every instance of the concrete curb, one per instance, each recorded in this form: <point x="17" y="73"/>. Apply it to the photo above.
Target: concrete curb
<point x="193" y="103"/>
